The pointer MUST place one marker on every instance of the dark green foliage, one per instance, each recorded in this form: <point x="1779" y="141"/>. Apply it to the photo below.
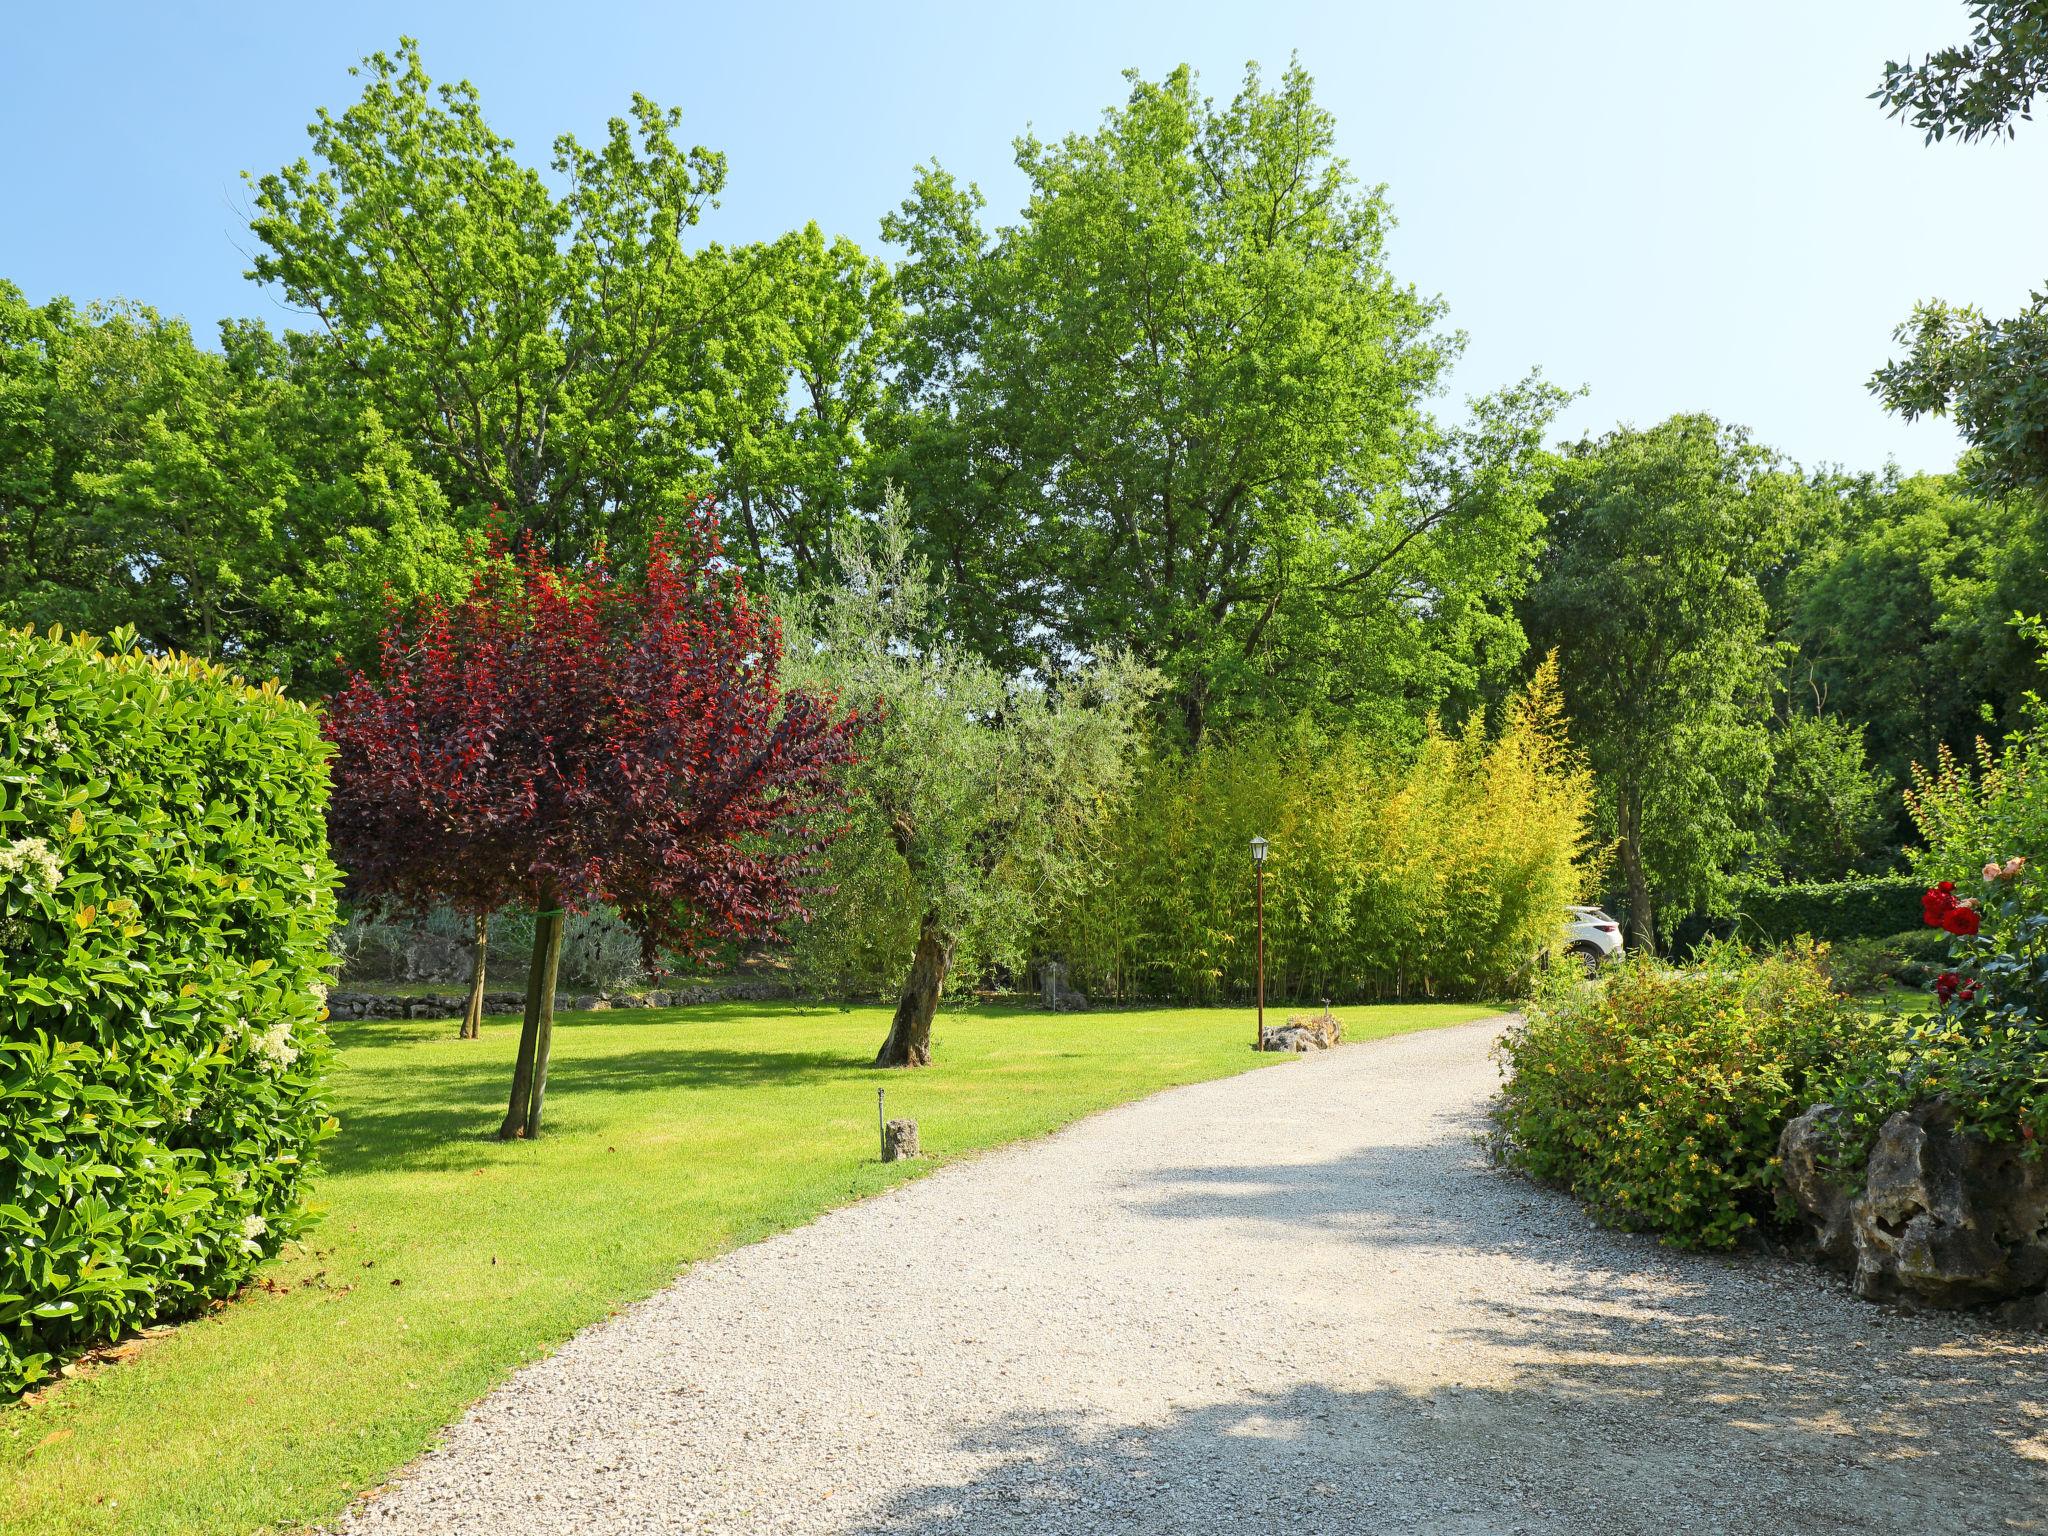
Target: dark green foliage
<point x="1909" y="959"/>
<point x="1825" y="811"/>
<point x="244" y="505"/>
<point x="1897" y="615"/>
<point x="1652" y="594"/>
<point x="1973" y="90"/>
<point x="1830" y="910"/>
<point x="1986" y="372"/>
<point x="1657" y="1096"/>
<point x="165" y="901"/>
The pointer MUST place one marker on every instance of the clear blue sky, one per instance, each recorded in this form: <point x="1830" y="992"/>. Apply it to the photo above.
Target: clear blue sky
<point x="1678" y="206"/>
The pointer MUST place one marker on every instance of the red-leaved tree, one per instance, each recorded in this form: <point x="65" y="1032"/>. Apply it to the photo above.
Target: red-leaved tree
<point x="563" y="739"/>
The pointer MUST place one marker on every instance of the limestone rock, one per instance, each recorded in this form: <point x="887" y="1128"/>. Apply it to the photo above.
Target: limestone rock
<point x="1948" y="1218"/>
<point x="1821" y="1193"/>
<point x="1304" y="1032"/>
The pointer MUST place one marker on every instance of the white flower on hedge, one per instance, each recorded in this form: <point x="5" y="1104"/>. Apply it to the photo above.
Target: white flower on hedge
<point x="31" y="861"/>
<point x="319" y="990"/>
<point x="47" y="735"/>
<point x="274" y="1044"/>
<point x="253" y="1227"/>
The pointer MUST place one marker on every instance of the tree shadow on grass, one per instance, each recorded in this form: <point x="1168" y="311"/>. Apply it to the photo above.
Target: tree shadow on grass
<point x="448" y="1107"/>
<point x="358" y="1034"/>
<point x="460" y="1104"/>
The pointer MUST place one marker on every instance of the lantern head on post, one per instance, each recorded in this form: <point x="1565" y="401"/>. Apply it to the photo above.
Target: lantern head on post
<point x="1258" y="850"/>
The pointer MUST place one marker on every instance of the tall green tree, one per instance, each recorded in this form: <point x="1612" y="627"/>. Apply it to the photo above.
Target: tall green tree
<point x="521" y="336"/>
<point x="976" y="796"/>
<point x="1180" y="406"/>
<point x="1826" y="812"/>
<point x="1650" y="591"/>
<point x="1898" y="619"/>
<point x="231" y="504"/>
<point x="559" y="350"/>
<point x="1987" y="373"/>
<point x="783" y="394"/>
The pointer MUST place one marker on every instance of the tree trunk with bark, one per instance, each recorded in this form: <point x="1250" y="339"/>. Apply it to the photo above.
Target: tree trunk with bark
<point x="1642" y="926"/>
<point x="473" y="1011"/>
<point x="910" y="1032"/>
<point x="537" y="1032"/>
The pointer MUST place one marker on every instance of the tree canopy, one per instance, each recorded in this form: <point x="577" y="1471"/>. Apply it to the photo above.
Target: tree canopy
<point x="561" y="740"/>
<point x="232" y="504"/>
<point x="567" y="355"/>
<point x="1180" y="406"/>
<point x="1958" y="361"/>
<point x="975" y="794"/>
<point x="1974" y="89"/>
<point x="1898" y="617"/>
<point x="1176" y="476"/>
<point x="1650" y="591"/>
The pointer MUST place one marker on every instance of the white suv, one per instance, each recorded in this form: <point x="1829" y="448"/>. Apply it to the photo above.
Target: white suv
<point x="1592" y="936"/>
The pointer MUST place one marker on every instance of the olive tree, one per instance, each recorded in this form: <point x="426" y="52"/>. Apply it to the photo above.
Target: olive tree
<point x="976" y="793"/>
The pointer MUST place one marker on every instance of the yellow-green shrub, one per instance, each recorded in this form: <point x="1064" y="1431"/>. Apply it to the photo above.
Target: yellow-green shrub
<point x="165" y="901"/>
<point x="1657" y="1095"/>
<point x="1443" y="872"/>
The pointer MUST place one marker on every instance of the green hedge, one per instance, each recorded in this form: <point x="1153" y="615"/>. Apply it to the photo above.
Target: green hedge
<point x="165" y="902"/>
<point x="1657" y="1096"/>
<point x="1841" y="909"/>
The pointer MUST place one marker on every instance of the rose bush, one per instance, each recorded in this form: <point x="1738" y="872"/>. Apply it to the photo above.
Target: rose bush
<point x="1984" y="1051"/>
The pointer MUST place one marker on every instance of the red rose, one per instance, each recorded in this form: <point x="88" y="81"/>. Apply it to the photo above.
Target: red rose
<point x="1935" y="906"/>
<point x="1961" y="921"/>
<point x="1947" y="887"/>
<point x="1945" y="985"/>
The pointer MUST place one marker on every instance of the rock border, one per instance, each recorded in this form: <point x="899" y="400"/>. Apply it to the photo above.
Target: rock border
<point x="439" y="1003"/>
<point x="1939" y="1218"/>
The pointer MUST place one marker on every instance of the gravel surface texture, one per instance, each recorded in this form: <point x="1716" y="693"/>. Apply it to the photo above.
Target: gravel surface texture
<point x="1294" y="1301"/>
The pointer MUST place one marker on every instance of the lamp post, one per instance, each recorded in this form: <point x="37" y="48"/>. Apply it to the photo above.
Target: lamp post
<point x="1259" y="885"/>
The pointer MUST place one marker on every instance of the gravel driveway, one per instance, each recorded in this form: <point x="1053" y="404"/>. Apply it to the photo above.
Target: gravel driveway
<point x="1293" y="1301"/>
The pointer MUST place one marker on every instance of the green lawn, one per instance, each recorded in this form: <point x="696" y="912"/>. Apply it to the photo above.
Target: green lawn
<point x="1893" y="998"/>
<point x="445" y="1259"/>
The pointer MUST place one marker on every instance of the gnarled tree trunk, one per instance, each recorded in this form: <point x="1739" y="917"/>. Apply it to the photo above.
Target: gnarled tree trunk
<point x="473" y="1012"/>
<point x="537" y="1032"/>
<point x="910" y="1032"/>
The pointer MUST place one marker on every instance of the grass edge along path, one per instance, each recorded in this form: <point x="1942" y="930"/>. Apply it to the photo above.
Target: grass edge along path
<point x="445" y="1260"/>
